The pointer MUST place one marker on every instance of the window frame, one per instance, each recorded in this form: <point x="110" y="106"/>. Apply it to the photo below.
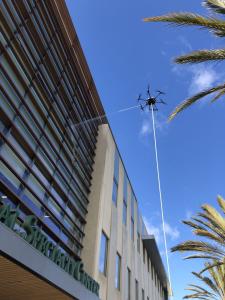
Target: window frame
<point x="118" y="272"/>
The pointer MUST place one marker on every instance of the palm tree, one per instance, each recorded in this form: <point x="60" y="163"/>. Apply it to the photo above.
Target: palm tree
<point x="214" y="285"/>
<point x="209" y="225"/>
<point x="214" y="25"/>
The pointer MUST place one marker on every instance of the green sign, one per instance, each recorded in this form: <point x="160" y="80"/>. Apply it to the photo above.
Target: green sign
<point x="40" y="241"/>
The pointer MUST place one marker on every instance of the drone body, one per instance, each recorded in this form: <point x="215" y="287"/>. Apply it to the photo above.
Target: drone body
<point x="151" y="101"/>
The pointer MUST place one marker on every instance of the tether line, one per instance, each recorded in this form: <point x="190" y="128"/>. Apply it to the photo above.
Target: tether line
<point x="161" y="200"/>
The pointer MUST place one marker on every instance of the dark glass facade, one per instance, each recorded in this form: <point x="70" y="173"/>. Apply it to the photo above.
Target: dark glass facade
<point x="46" y="152"/>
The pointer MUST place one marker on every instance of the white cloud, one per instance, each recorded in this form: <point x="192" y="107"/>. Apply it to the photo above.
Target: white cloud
<point x="146" y="127"/>
<point x="203" y="77"/>
<point x="156" y="231"/>
<point x="171" y="232"/>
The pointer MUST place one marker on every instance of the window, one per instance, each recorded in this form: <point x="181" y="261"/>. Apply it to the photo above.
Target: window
<point x="138" y="242"/>
<point x="136" y="289"/>
<point x="147" y="298"/>
<point x="124" y="212"/>
<point x="132" y="230"/>
<point x="115" y="177"/>
<point x="103" y="254"/>
<point x="143" y="254"/>
<point x="132" y="206"/>
<point x="143" y="294"/>
<point x="118" y="271"/>
<point x="132" y="217"/>
<point x="128" y="284"/>
<point x="125" y="199"/>
<point x="115" y="191"/>
<point x="148" y="262"/>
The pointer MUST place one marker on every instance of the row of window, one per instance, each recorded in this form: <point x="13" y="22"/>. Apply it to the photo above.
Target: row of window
<point x="103" y="260"/>
<point x="103" y="269"/>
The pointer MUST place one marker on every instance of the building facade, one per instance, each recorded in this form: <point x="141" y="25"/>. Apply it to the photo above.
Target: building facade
<point x="118" y="252"/>
<point x="53" y="173"/>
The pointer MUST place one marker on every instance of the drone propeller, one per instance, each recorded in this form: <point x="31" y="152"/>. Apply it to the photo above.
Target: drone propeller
<point x="148" y="91"/>
<point x="139" y="98"/>
<point x="142" y="107"/>
<point x="161" y="101"/>
<point x="160" y="92"/>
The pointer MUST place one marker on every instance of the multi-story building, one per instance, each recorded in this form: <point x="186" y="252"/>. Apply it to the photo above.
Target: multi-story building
<point x="62" y="197"/>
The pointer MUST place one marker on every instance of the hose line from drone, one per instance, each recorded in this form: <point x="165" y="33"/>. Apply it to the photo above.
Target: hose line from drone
<point x="161" y="202"/>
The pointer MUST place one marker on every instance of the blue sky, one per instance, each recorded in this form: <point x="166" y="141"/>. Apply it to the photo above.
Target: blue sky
<point x="124" y="55"/>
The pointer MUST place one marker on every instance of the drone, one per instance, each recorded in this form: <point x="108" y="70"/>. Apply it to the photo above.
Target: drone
<point x="151" y="101"/>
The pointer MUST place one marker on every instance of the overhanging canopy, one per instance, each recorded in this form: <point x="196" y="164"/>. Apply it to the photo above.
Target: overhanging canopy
<point x="153" y="252"/>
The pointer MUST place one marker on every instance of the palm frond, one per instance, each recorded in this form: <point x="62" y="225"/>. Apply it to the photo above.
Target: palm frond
<point x="191" y="19"/>
<point x="213" y="285"/>
<point x="218" y="95"/>
<point x="221" y="202"/>
<point x="195" y="98"/>
<point x="217" y="6"/>
<point x="201" y="56"/>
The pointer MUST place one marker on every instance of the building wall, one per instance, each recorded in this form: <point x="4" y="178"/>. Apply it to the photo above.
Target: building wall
<point x="105" y="216"/>
<point x="46" y="151"/>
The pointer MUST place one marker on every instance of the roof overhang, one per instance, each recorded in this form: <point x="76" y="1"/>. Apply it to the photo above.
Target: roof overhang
<point x="153" y="252"/>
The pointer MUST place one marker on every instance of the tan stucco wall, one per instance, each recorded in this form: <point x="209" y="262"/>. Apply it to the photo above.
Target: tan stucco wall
<point x="105" y="216"/>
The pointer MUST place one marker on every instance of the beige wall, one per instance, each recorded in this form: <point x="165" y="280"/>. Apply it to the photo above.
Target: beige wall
<point x="104" y="216"/>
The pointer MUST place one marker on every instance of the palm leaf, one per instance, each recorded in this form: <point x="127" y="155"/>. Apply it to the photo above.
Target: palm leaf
<point x="217" y="6"/>
<point x="218" y="95"/>
<point x="214" y="286"/>
<point x="195" y="98"/>
<point x="191" y="19"/>
<point x="221" y="202"/>
<point x="201" y="56"/>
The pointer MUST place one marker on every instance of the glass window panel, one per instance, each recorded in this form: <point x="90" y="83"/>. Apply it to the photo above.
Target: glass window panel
<point x="125" y="188"/>
<point x="143" y="254"/>
<point x="143" y="294"/>
<point x="103" y="254"/>
<point x="30" y="121"/>
<point x="132" y="230"/>
<point x="115" y="192"/>
<point x="35" y="186"/>
<point x="49" y="149"/>
<point x="128" y="284"/>
<point x="9" y="175"/>
<point x="54" y="208"/>
<point x="136" y="290"/>
<point x="13" y="160"/>
<point x="12" y="75"/>
<point x="44" y="159"/>
<point x="132" y="206"/>
<point x="138" y="242"/>
<point x="49" y="220"/>
<point x="7" y="107"/>
<point x="116" y="166"/>
<point x="32" y="202"/>
<point x="25" y="132"/>
<point x="57" y="196"/>
<point x="118" y="271"/>
<point x="40" y="176"/>
<point x="18" y="148"/>
<point x="124" y="213"/>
